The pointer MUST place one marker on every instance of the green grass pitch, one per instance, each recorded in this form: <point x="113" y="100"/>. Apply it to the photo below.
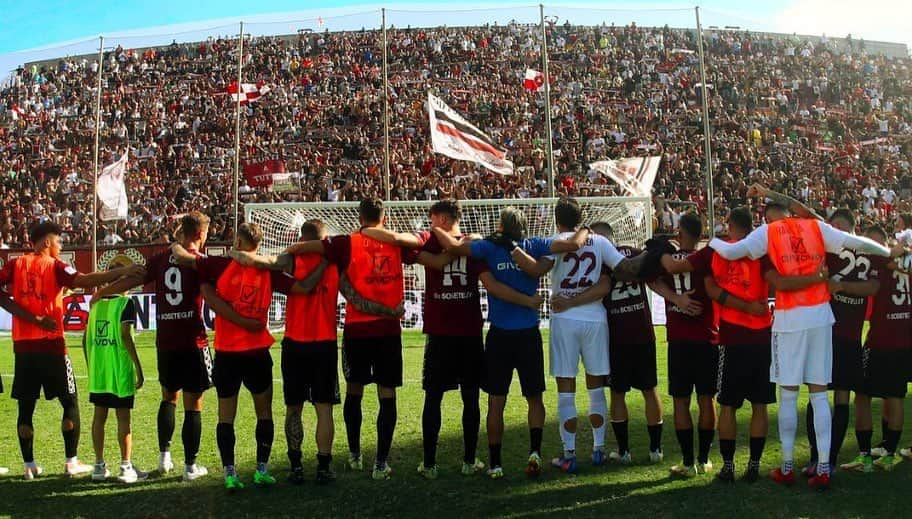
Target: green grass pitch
<point x="642" y="490"/>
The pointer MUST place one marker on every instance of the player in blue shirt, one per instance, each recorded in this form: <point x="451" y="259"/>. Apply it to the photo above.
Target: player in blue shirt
<point x="514" y="340"/>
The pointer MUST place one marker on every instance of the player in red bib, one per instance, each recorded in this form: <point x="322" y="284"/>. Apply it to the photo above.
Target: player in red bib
<point x="454" y="353"/>
<point x="850" y="286"/>
<point x="36" y="282"/>
<point x="240" y="297"/>
<point x="182" y="348"/>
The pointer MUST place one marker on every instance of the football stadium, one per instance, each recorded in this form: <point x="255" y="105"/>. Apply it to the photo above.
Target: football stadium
<point x="444" y="259"/>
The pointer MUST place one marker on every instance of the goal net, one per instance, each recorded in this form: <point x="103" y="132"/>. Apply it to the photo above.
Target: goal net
<point x="631" y="219"/>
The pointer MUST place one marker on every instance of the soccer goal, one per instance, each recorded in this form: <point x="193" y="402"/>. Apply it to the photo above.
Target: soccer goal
<point x="630" y="217"/>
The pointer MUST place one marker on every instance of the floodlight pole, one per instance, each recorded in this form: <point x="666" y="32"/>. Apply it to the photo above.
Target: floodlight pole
<point x="707" y="133"/>
<point x="237" y="129"/>
<point x="95" y="169"/>
<point x="547" y="82"/>
<point x="386" y="135"/>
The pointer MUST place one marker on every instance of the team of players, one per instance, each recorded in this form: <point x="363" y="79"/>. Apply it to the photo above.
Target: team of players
<point x="721" y="336"/>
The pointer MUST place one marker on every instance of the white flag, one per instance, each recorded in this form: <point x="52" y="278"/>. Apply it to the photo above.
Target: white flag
<point x="456" y="138"/>
<point x="112" y="193"/>
<point x="635" y="175"/>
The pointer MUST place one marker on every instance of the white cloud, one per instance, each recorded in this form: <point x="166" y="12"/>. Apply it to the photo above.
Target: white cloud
<point x="876" y="20"/>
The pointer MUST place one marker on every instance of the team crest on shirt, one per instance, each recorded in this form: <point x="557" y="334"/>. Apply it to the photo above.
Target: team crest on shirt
<point x="381" y="264"/>
<point x="249" y="293"/>
<point x="797" y="244"/>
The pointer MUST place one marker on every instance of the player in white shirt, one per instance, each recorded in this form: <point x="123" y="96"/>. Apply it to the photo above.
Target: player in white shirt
<point x="578" y="332"/>
<point x="802" y="333"/>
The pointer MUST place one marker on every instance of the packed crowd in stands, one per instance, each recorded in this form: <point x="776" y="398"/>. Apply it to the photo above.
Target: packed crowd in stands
<point x="832" y="128"/>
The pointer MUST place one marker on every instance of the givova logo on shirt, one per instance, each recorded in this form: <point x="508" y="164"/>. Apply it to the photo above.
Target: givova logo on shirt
<point x="103" y="333"/>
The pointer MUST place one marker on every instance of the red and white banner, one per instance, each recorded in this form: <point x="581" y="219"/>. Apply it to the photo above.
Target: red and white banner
<point x="534" y="80"/>
<point x="453" y="136"/>
<point x="266" y="173"/>
<point x="112" y="192"/>
<point x="249" y="92"/>
<point x="636" y="175"/>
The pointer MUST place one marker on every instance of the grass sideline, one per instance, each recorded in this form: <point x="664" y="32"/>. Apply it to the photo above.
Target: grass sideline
<point x="643" y="490"/>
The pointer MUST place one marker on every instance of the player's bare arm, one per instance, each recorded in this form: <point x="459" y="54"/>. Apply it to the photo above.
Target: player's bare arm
<point x="794" y="206"/>
<point x="682" y="301"/>
<point x="435" y="261"/>
<point x="529" y="265"/>
<point x="573" y="244"/>
<point x="676" y="266"/>
<point x="596" y="292"/>
<point x="225" y="310"/>
<point x="182" y="256"/>
<point x="726" y="298"/>
<point x="402" y="239"/>
<point x="126" y="331"/>
<point x="282" y="263"/>
<point x="306" y="247"/>
<point x="366" y="305"/>
<point x="505" y="293"/>
<point x="44" y="322"/>
<point x="629" y="269"/>
<point x="118" y="287"/>
<point x="791" y="283"/>
<point x="100" y="278"/>
<point x="306" y="285"/>
<point x="451" y="244"/>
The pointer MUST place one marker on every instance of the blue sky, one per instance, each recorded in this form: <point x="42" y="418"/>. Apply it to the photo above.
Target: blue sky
<point x="30" y="25"/>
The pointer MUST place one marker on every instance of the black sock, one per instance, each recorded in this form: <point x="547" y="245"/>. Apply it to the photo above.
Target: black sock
<point x="494" y="454"/>
<point x="840" y="425"/>
<point x="323" y="461"/>
<point x="892" y="440"/>
<point x="686" y="441"/>
<point x="265" y="434"/>
<point x="706" y="440"/>
<point x="351" y="412"/>
<point x="294" y="458"/>
<point x="812" y="433"/>
<point x="884" y="427"/>
<point x="471" y="420"/>
<point x="756" y="447"/>
<point x="655" y="437"/>
<point x="430" y="426"/>
<point x="622" y="435"/>
<point x="26" y="414"/>
<point x="386" y="427"/>
<point x="864" y="440"/>
<point x="727" y="449"/>
<point x="535" y="439"/>
<point x="191" y="432"/>
<point x="224" y="437"/>
<point x="71" y="437"/>
<point x="165" y="425"/>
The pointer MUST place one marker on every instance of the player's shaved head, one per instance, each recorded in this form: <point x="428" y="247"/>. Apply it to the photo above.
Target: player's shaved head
<point x="603" y="229"/>
<point x="313" y="230"/>
<point x="773" y="211"/>
<point x="843" y="219"/>
<point x="249" y="234"/>
<point x="740" y="222"/>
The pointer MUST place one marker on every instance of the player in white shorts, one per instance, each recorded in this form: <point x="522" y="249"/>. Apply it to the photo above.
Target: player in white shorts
<point x="578" y="332"/>
<point x="802" y="328"/>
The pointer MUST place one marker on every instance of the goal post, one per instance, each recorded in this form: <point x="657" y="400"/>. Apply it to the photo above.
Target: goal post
<point x="630" y="217"/>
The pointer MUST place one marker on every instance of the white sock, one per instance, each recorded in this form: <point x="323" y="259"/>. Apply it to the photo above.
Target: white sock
<point x="598" y="406"/>
<point x="788" y="426"/>
<point x="566" y="411"/>
<point x="822" y="425"/>
<point x="74" y="459"/>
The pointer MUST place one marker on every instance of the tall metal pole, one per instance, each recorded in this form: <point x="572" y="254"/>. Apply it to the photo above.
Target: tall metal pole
<point x="237" y="128"/>
<point x="386" y="115"/>
<point x="707" y="132"/>
<point x="550" y="143"/>
<point x="97" y="139"/>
